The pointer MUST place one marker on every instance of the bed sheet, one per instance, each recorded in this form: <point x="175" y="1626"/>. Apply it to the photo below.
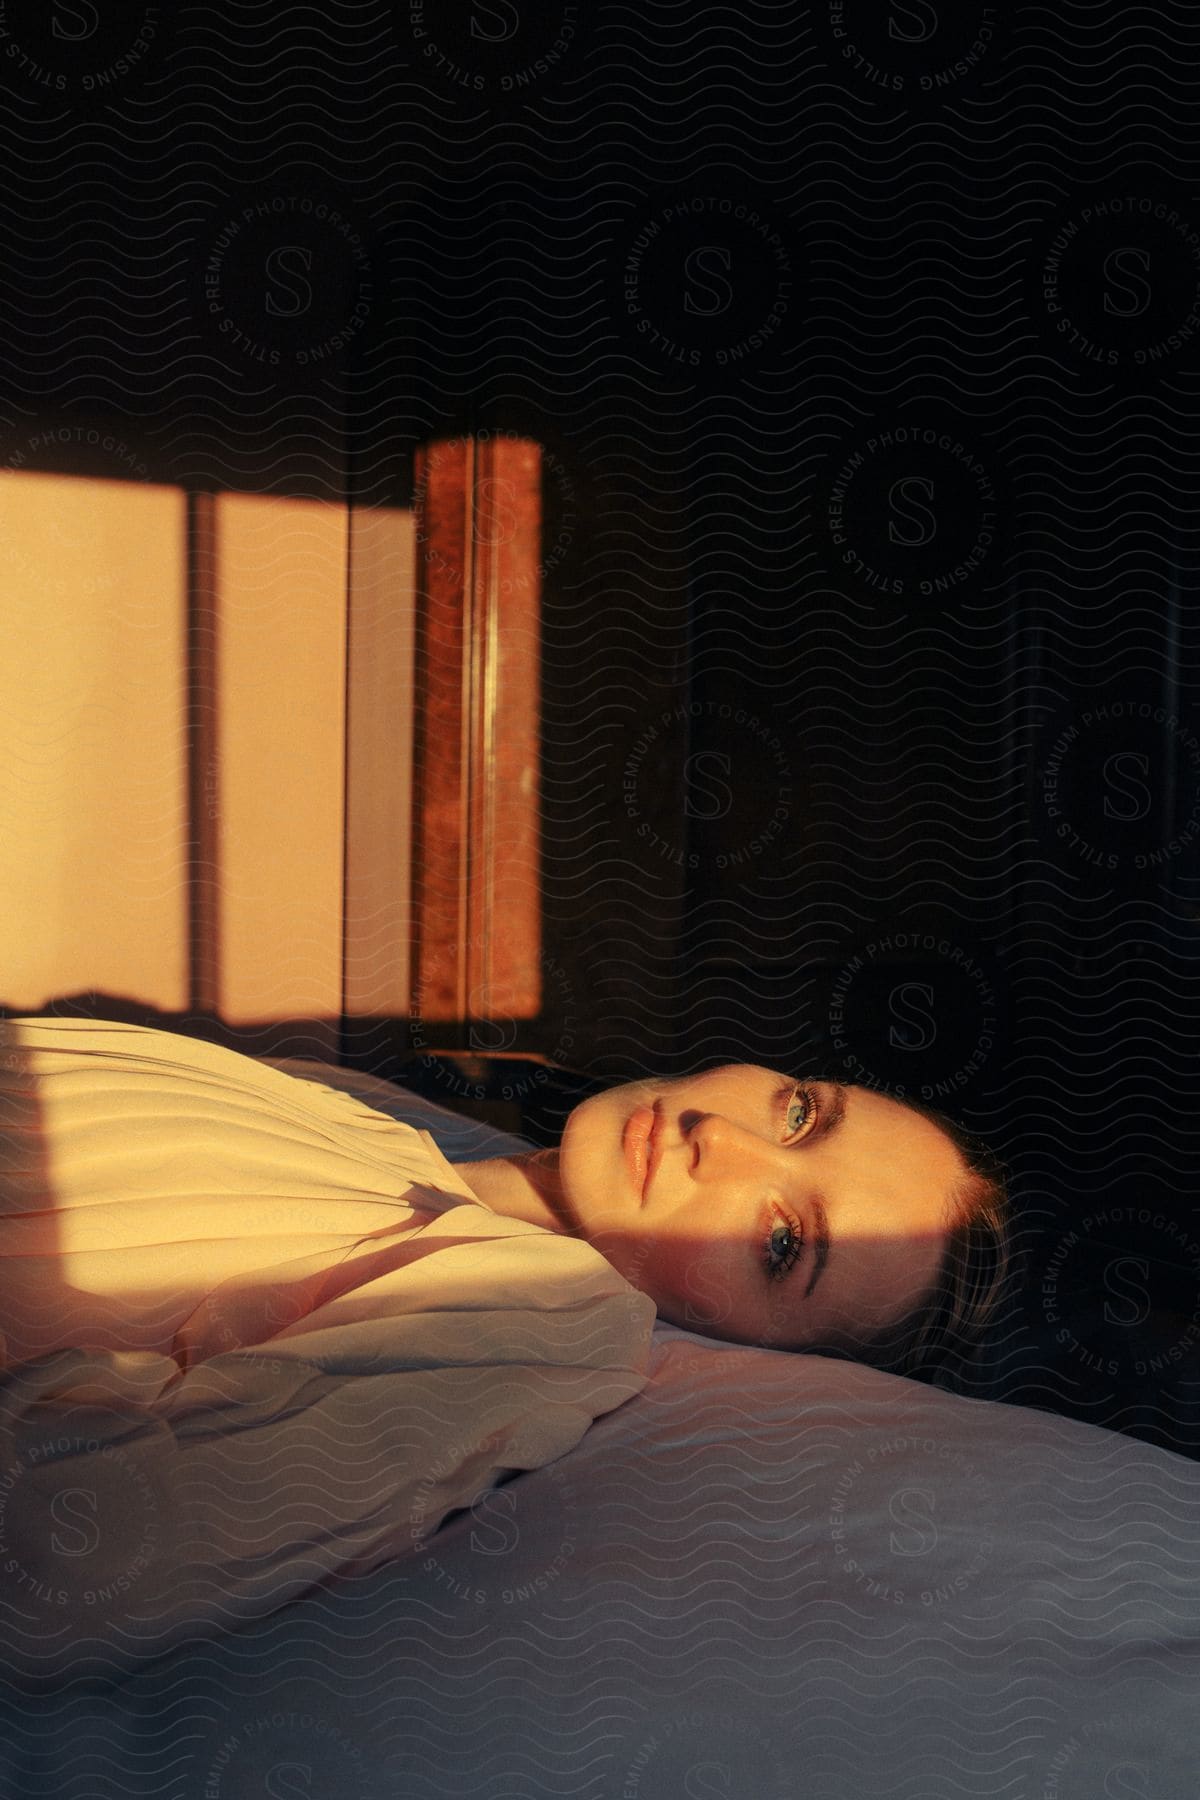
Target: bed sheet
<point x="767" y="1574"/>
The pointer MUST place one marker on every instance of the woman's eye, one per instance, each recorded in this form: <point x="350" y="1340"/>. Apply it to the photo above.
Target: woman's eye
<point x="799" y="1109"/>
<point x="782" y="1248"/>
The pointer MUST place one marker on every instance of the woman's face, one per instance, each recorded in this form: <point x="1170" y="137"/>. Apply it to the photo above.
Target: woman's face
<point x="745" y="1169"/>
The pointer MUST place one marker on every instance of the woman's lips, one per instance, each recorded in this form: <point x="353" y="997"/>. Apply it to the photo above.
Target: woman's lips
<point x="638" y="1127"/>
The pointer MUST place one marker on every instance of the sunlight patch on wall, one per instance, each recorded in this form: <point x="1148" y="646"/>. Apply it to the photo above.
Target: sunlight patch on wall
<point x="93" y="755"/>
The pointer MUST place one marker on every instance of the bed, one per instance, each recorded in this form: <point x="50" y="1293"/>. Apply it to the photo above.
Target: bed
<point x="765" y="1574"/>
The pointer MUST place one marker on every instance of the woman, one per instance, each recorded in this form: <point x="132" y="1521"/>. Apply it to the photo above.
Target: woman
<point x="145" y="1170"/>
<point x="804" y="1215"/>
<point x="259" y="1334"/>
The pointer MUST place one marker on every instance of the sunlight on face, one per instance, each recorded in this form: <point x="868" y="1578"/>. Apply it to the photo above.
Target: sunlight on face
<point x="774" y="1212"/>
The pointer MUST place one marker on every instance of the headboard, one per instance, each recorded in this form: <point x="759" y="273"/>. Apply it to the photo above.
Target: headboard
<point x="273" y="761"/>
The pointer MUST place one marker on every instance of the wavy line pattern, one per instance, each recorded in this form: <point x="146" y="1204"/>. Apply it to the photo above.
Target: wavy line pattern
<point x="862" y="341"/>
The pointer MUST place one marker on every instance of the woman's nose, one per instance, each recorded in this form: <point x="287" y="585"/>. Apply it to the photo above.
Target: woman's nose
<point x="725" y="1147"/>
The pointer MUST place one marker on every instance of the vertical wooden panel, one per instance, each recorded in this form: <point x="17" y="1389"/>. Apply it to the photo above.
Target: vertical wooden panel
<point x="93" y="815"/>
<point x="279" y="571"/>
<point x="476" y="875"/>
<point x="379" y="752"/>
<point x="445" y="474"/>
<point x="504" y="957"/>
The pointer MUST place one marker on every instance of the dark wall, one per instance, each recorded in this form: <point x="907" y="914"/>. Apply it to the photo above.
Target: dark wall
<point x="863" y="343"/>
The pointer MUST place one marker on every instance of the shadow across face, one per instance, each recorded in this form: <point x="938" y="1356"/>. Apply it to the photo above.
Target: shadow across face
<point x="763" y="1209"/>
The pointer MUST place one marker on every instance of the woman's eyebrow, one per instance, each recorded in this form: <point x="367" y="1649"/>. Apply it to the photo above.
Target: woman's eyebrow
<point x="835" y="1109"/>
<point x="822" y="1246"/>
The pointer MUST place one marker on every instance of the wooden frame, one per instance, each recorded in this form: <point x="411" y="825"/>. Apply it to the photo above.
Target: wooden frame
<point x="477" y="925"/>
<point x="291" y="789"/>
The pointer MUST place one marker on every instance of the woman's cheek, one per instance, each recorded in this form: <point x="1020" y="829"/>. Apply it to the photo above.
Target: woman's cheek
<point x="708" y="1290"/>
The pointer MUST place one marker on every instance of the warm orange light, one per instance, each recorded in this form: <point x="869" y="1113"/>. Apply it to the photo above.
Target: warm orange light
<point x="280" y="679"/>
<point x="93" y="816"/>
